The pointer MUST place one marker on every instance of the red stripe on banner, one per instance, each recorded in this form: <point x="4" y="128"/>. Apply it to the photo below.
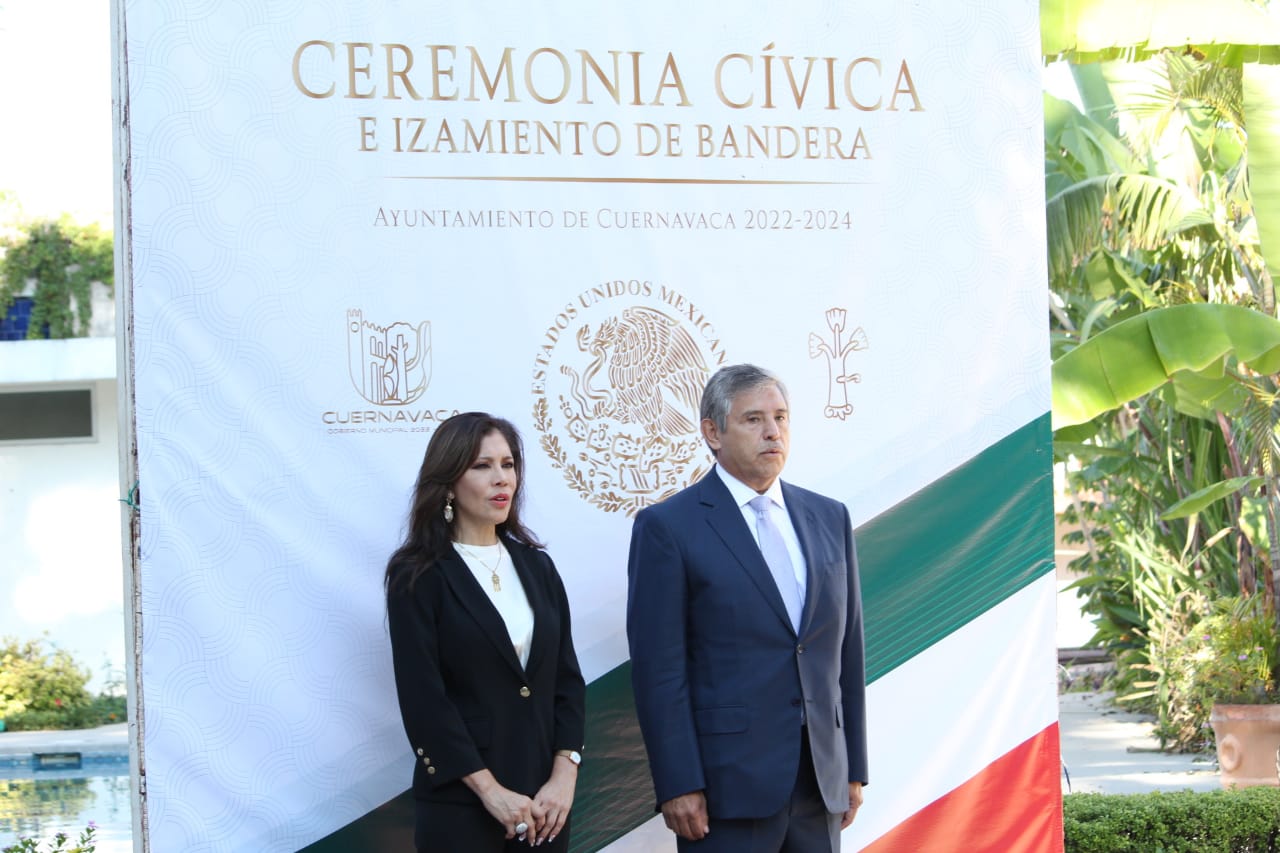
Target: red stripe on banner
<point x="1013" y="806"/>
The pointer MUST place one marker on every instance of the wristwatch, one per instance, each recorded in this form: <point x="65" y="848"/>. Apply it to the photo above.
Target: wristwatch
<point x="571" y="754"/>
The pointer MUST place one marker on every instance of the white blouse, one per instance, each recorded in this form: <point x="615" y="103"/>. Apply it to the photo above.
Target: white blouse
<point x="510" y="599"/>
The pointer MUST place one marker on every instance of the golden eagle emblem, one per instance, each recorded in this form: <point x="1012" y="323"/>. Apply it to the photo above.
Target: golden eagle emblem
<point x="655" y="371"/>
<point x="628" y="410"/>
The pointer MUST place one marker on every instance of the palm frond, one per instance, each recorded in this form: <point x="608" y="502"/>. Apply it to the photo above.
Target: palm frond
<point x="1120" y="212"/>
<point x="1216" y="87"/>
<point x="1258" y="427"/>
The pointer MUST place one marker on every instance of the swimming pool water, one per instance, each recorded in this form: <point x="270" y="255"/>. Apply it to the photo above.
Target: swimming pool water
<point x="49" y="803"/>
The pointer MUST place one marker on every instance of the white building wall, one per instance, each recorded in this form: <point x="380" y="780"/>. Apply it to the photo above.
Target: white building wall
<point x="60" y="513"/>
<point x="60" y="555"/>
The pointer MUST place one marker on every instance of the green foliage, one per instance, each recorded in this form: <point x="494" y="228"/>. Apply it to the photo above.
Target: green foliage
<point x="102" y="710"/>
<point x="84" y="844"/>
<point x="1199" y="342"/>
<point x="63" y="259"/>
<point x="1175" y="485"/>
<point x="1205" y="651"/>
<point x="1231" y="654"/>
<point x="1136" y="562"/>
<point x="34" y="679"/>
<point x="1244" y="821"/>
<point x="1167" y="203"/>
<point x="44" y="688"/>
<point x="1147" y="572"/>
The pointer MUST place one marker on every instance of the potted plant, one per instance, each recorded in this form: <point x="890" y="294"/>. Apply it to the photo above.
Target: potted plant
<point x="1229" y="661"/>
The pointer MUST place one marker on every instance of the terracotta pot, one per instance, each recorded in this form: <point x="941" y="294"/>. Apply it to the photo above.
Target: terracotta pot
<point x="1248" y="744"/>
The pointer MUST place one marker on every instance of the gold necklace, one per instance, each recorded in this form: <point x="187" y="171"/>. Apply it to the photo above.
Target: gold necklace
<point x="493" y="570"/>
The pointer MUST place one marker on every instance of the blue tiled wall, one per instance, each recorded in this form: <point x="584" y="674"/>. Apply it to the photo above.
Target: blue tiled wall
<point x="14" y="325"/>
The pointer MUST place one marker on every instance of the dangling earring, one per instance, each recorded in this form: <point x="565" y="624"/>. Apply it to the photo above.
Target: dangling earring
<point x="448" y="510"/>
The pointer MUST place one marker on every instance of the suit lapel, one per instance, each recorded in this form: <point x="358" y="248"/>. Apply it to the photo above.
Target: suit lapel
<point x="477" y="604"/>
<point x="806" y="526"/>
<point x="725" y="518"/>
<point x="537" y="603"/>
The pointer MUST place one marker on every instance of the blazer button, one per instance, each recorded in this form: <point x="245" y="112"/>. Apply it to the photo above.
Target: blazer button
<point x="800" y="649"/>
<point x="524" y="692"/>
<point x="431" y="771"/>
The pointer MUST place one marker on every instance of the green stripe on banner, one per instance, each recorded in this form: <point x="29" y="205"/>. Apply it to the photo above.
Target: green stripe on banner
<point x="614" y="793"/>
<point x="957" y="548"/>
<point x="929" y="565"/>
<point x="388" y="827"/>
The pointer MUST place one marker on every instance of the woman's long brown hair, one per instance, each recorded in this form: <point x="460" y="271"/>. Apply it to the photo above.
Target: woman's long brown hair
<point x="450" y="452"/>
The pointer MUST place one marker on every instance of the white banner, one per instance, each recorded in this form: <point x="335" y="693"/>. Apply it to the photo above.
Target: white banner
<point x="351" y="220"/>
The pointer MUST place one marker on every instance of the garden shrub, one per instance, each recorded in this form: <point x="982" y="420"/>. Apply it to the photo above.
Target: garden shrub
<point x="44" y="688"/>
<point x="1236" y="821"/>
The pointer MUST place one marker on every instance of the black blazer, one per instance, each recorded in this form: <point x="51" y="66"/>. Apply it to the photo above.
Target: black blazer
<point x="465" y="701"/>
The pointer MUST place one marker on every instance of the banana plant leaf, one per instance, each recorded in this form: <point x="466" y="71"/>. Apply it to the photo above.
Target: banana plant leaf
<point x="1262" y="117"/>
<point x="1203" y="396"/>
<point x="1253" y="521"/>
<point x="1091" y="30"/>
<point x="1143" y="353"/>
<point x="1202" y="498"/>
<point x="1093" y="144"/>
<point x="1243" y="33"/>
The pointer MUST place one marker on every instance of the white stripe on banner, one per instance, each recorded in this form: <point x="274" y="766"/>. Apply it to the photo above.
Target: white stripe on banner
<point x="941" y="718"/>
<point x="938" y="720"/>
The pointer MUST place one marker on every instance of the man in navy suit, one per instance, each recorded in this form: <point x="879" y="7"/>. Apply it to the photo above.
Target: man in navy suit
<point x="744" y="618"/>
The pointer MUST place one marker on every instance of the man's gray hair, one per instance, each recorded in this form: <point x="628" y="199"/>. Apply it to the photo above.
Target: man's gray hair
<point x="727" y="383"/>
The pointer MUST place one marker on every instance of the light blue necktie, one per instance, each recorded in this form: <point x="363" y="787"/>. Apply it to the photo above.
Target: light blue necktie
<point x="775" y="554"/>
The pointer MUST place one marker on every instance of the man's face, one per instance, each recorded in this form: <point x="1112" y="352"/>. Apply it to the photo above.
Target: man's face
<point x="753" y="446"/>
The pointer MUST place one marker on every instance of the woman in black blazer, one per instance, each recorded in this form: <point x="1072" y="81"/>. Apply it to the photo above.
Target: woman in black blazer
<point x="489" y="686"/>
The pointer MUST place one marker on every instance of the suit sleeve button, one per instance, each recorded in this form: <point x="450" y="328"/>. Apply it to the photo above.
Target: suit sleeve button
<point x="431" y="771"/>
<point x="524" y="692"/>
<point x="419" y="752"/>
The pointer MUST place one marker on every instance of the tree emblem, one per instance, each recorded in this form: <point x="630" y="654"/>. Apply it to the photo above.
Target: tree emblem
<point x="837" y="353"/>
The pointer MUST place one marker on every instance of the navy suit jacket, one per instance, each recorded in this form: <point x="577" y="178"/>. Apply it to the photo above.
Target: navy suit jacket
<point x="720" y="676"/>
<point x="465" y="700"/>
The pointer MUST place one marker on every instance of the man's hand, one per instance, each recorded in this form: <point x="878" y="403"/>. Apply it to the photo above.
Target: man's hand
<point x="855" y="802"/>
<point x="686" y="815"/>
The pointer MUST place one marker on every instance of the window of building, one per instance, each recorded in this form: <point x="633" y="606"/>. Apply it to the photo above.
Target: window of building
<point x="50" y="415"/>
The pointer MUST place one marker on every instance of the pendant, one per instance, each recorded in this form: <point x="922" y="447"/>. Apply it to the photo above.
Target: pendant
<point x="497" y="584"/>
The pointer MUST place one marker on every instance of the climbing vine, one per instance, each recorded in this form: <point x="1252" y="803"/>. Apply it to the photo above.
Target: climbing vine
<point x="61" y="260"/>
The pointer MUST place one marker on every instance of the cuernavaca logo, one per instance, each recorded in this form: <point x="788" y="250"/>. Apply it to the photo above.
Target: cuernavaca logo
<point x="617" y="381"/>
<point x="389" y="366"/>
<point x="837" y="354"/>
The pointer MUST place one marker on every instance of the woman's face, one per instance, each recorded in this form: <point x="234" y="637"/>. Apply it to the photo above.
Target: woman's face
<point x="482" y="496"/>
